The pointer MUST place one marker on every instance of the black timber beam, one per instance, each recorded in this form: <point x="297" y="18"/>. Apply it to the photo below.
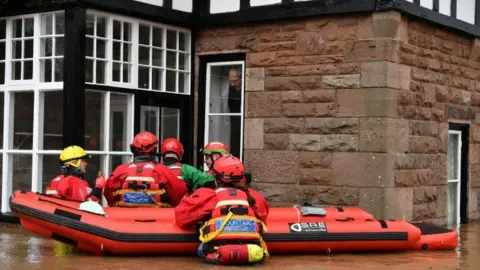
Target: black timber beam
<point x="74" y="77"/>
<point x="143" y="11"/>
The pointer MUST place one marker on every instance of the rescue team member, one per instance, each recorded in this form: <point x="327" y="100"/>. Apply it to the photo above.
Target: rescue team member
<point x="232" y="217"/>
<point x="212" y="151"/>
<point x="144" y="182"/>
<point x="70" y="185"/>
<point x="172" y="152"/>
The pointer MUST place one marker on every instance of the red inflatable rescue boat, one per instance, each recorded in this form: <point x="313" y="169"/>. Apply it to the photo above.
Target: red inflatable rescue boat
<point x="290" y="230"/>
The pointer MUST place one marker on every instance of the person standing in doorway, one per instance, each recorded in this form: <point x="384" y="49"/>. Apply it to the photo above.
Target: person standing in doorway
<point x="235" y="106"/>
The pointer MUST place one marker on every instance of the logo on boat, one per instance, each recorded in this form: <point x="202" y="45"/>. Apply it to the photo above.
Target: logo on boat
<point x="308" y="227"/>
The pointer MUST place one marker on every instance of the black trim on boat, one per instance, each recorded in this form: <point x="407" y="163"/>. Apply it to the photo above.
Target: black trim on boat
<point x="67" y="214"/>
<point x="193" y="238"/>
<point x="64" y="239"/>
<point x="340" y="209"/>
<point x="428" y="229"/>
<point x="383" y="223"/>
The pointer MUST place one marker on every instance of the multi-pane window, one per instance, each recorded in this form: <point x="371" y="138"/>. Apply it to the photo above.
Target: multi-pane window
<point x="22" y="48"/>
<point x="122" y="51"/>
<point x="138" y="54"/>
<point x="96" y="49"/>
<point x="150" y="57"/>
<point x="51" y="47"/>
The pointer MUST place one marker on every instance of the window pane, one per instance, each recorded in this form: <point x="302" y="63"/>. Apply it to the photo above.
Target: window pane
<point x="23" y="120"/>
<point x="50" y="169"/>
<point x="28" y="48"/>
<point x="1" y="122"/>
<point x="150" y="119"/>
<point x="171" y="60"/>
<point x="59" y="46"/>
<point x="171" y="39"/>
<point x="157" y="79"/>
<point x="171" y="81"/>
<point x="28" y="27"/>
<point x="88" y="70"/>
<point x="22" y="172"/>
<point x="116" y="72"/>
<point x="47" y="24"/>
<point x="183" y="42"/>
<point x="95" y="164"/>
<point x="453" y="140"/>
<point x="144" y="55"/>
<point x="16" y="70"/>
<point x="117" y="30"/>
<point x="2" y="73"/>
<point x="225" y="86"/>
<point x="157" y="37"/>
<point x="2" y="50"/>
<point x="101" y="47"/>
<point x="143" y="77"/>
<point x="226" y="129"/>
<point x="116" y="161"/>
<point x="90" y="25"/>
<point x="127" y="48"/>
<point x="118" y="122"/>
<point x="116" y="50"/>
<point x="101" y="26"/>
<point x="17" y="28"/>
<point x="17" y="50"/>
<point x="93" y="120"/>
<point x="452" y="195"/>
<point x="183" y="82"/>
<point x="144" y="35"/>
<point x="183" y="61"/>
<point x="46" y="69"/>
<point x="3" y="29"/>
<point x="53" y="121"/>
<point x="100" y="71"/>
<point x="157" y="57"/>
<point x="89" y="47"/>
<point x="170" y="123"/>
<point x="59" y="70"/>
<point x="46" y="47"/>
<point x="126" y="73"/>
<point x="127" y="31"/>
<point x="59" y="23"/>
<point x="27" y="70"/>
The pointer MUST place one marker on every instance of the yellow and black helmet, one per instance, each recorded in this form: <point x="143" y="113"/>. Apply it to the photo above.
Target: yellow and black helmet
<point x="73" y="155"/>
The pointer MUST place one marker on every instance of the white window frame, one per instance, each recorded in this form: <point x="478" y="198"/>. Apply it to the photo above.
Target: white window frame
<point x="146" y="108"/>
<point x="457" y="181"/>
<point x="207" y="102"/>
<point x="105" y="126"/>
<point x="135" y="63"/>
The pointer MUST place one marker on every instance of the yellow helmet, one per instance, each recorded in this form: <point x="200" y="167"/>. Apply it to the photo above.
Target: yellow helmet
<point x="73" y="155"/>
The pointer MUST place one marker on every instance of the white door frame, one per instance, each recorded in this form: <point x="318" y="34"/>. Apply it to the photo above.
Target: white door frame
<point x="207" y="102"/>
<point x="458" y="179"/>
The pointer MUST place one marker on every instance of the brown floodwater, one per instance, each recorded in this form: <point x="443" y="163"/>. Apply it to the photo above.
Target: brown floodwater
<point x="20" y="249"/>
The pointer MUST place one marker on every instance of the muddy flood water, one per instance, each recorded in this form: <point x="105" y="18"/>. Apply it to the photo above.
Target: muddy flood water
<point x="19" y="249"/>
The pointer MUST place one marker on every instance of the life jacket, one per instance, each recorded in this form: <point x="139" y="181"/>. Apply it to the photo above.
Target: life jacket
<point x="176" y="169"/>
<point x="140" y="188"/>
<point x="233" y="221"/>
<point x="78" y="188"/>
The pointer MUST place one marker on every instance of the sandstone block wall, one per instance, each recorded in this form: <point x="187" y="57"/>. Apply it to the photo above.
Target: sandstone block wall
<point x="353" y="110"/>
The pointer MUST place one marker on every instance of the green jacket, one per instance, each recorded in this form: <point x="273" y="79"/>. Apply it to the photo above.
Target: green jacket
<point x="195" y="177"/>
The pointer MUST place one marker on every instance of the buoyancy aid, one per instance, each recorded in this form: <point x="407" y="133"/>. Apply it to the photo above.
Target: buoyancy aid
<point x="233" y="222"/>
<point x="52" y="189"/>
<point x="176" y="169"/>
<point x="73" y="188"/>
<point x="141" y="188"/>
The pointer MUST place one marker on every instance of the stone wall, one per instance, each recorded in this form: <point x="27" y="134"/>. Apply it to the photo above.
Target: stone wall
<point x="354" y="110"/>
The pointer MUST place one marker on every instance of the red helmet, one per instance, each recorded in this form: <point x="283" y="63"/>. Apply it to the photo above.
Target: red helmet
<point x="229" y="169"/>
<point x="215" y="147"/>
<point x="144" y="142"/>
<point x="172" y="145"/>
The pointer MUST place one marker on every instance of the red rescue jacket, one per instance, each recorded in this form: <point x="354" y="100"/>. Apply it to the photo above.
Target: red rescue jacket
<point x="143" y="183"/>
<point x="70" y="188"/>
<point x="206" y="202"/>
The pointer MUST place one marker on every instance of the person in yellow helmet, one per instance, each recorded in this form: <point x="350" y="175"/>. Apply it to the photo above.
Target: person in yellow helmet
<point x="70" y="185"/>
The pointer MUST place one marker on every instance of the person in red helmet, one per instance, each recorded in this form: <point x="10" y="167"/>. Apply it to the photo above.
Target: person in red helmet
<point x="212" y="151"/>
<point x="144" y="182"/>
<point x="233" y="216"/>
<point x="172" y="153"/>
